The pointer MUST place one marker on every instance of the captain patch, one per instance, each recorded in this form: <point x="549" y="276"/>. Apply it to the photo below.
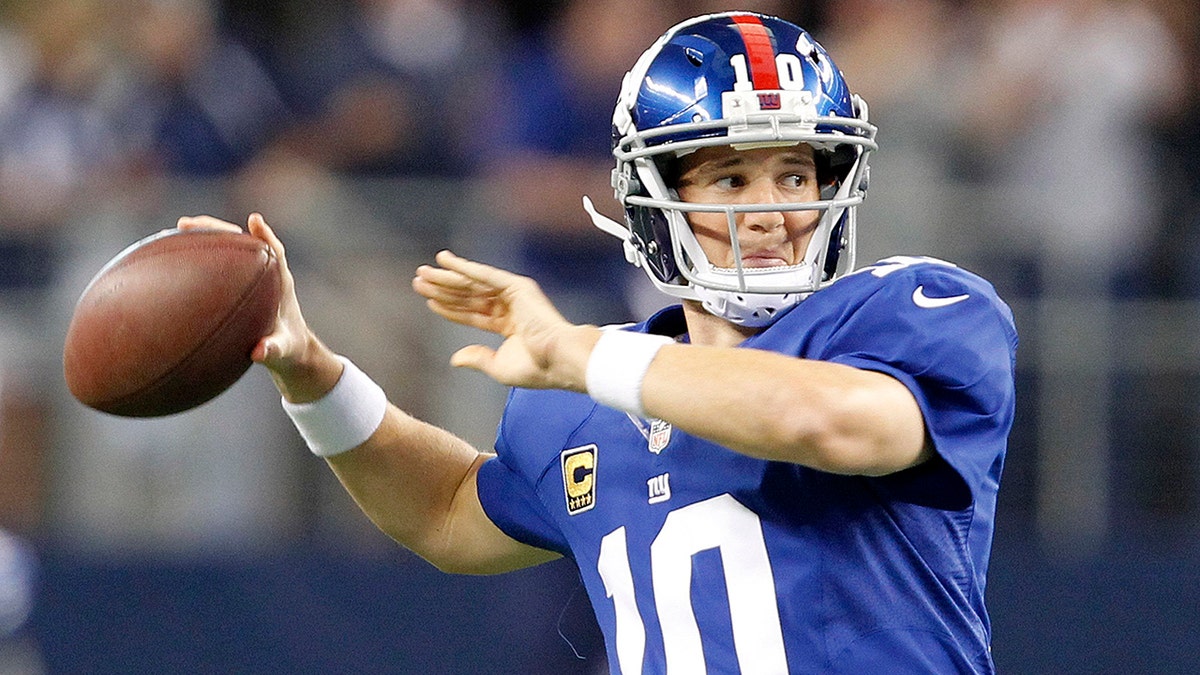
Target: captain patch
<point x="579" y="478"/>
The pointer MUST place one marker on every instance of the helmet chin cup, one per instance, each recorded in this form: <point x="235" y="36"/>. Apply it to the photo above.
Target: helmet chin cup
<point x="753" y="310"/>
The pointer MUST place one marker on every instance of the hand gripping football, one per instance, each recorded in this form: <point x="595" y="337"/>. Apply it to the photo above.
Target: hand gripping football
<point x="170" y="322"/>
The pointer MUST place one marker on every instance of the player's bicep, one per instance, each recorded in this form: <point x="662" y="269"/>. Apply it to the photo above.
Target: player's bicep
<point x="882" y="428"/>
<point x="908" y="442"/>
<point x="476" y="545"/>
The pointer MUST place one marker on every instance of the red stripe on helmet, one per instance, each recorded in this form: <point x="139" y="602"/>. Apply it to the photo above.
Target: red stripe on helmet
<point x="759" y="52"/>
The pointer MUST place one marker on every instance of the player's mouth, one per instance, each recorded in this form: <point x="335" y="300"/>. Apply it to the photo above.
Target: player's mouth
<point x="764" y="259"/>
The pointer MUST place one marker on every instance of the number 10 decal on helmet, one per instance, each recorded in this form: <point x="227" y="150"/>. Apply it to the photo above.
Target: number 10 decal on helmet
<point x="747" y="81"/>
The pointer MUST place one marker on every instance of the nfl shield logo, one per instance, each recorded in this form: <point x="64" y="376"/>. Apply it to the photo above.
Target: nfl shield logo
<point x="660" y="435"/>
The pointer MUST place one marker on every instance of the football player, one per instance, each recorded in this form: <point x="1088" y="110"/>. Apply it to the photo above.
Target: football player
<point x="795" y="469"/>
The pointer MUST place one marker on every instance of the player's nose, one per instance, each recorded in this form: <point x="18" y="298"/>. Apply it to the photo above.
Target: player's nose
<point x="763" y="192"/>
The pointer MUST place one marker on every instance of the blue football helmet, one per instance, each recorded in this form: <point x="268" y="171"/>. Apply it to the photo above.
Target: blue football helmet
<point x="745" y="80"/>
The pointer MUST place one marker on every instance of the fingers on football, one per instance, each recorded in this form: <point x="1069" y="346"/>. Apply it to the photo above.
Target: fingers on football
<point x="259" y="228"/>
<point x="205" y="222"/>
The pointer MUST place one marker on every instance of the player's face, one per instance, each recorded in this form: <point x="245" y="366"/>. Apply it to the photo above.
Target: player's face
<point x="723" y="175"/>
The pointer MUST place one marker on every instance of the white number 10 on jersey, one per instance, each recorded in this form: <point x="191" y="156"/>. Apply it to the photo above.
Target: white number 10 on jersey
<point x="718" y="523"/>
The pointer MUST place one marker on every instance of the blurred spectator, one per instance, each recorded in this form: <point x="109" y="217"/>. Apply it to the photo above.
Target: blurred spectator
<point x="370" y="177"/>
<point x="396" y="83"/>
<point x="1058" y="106"/>
<point x="199" y="104"/>
<point x="55" y="146"/>
<point x="1058" y="109"/>
<point x="551" y="119"/>
<point x="1159" y="434"/>
<point x="368" y="180"/>
<point x="1179" y="142"/>
<point x="895" y="54"/>
<point x="53" y="142"/>
<point x="183" y="105"/>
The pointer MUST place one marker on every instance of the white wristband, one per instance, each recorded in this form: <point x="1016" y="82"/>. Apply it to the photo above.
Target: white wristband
<point x="618" y="364"/>
<point x="343" y="418"/>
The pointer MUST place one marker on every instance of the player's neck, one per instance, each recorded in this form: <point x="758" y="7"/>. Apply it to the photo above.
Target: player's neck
<point x="706" y="329"/>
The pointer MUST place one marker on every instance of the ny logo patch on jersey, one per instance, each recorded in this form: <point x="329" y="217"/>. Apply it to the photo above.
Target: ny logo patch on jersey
<point x="659" y="488"/>
<point x="579" y="478"/>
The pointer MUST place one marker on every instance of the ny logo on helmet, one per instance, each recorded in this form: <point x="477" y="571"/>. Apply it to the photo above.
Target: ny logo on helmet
<point x="769" y="101"/>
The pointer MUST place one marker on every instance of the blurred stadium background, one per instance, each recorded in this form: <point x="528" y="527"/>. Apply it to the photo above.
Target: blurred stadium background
<point x="1049" y="144"/>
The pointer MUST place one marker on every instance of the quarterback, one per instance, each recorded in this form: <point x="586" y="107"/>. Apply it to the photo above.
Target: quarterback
<point x="793" y="470"/>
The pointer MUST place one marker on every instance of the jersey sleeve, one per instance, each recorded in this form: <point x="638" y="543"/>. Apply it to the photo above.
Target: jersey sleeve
<point x="513" y="506"/>
<point x="945" y="334"/>
<point x="512" y="485"/>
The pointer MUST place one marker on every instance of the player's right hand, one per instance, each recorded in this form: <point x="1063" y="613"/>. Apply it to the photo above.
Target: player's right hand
<point x="303" y="368"/>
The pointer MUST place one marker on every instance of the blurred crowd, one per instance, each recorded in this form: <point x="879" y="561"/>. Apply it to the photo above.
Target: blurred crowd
<point x="1049" y="144"/>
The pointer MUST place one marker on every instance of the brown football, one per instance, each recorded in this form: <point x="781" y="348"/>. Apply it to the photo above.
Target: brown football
<point x="170" y="322"/>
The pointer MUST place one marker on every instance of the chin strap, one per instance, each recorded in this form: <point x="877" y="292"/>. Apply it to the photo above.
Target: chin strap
<point x="610" y="226"/>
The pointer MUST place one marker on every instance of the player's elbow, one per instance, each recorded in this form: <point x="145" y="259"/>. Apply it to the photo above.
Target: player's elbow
<point x="432" y="539"/>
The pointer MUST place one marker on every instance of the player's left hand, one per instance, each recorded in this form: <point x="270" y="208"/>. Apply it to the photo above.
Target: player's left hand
<point x="541" y="349"/>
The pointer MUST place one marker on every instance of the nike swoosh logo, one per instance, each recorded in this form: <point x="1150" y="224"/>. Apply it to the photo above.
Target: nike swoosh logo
<point x="921" y="300"/>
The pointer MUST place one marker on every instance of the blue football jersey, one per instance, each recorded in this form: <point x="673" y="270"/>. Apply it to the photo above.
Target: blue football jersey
<point x="699" y="559"/>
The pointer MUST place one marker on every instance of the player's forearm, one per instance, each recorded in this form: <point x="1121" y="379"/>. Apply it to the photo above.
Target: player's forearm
<point x="820" y="414"/>
<point x="824" y="415"/>
<point x="412" y="479"/>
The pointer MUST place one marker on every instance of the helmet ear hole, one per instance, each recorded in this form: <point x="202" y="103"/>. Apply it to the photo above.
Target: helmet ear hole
<point x="651" y="237"/>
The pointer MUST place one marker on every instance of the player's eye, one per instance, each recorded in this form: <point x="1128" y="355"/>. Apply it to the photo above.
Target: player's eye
<point x="796" y="180"/>
<point x="730" y="182"/>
